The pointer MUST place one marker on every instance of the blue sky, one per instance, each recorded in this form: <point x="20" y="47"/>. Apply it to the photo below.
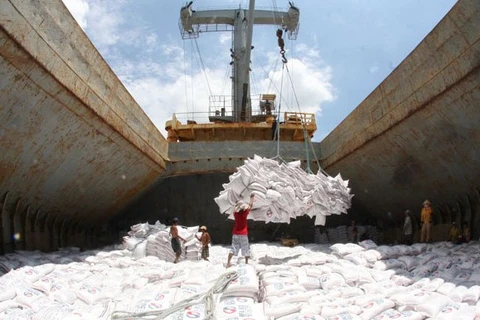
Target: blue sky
<point x="344" y="50"/>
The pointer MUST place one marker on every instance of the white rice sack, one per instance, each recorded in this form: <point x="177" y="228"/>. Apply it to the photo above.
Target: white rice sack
<point x="272" y="280"/>
<point x="76" y="276"/>
<point x="131" y="242"/>
<point x="28" y="297"/>
<point x="223" y="202"/>
<point x="462" y="276"/>
<point x="330" y="312"/>
<point x="317" y="258"/>
<point x="347" y="248"/>
<point x="365" y="277"/>
<point x="238" y="308"/>
<point x="371" y="256"/>
<point x="90" y="293"/>
<point x="140" y="251"/>
<point x="55" y="313"/>
<point x="17" y="314"/>
<point x="357" y="258"/>
<point x="187" y="291"/>
<point x="413" y="297"/>
<point x="472" y="295"/>
<point x="280" y="288"/>
<point x="367" y="244"/>
<point x="433" y="285"/>
<point x="350" y="274"/>
<point x="374" y="307"/>
<point x="7" y="293"/>
<point x="302" y="316"/>
<point x="194" y="312"/>
<point x="289" y="297"/>
<point x="456" y="311"/>
<point x="309" y="283"/>
<point x="331" y="281"/>
<point x="426" y="257"/>
<point x="313" y="271"/>
<point x="401" y="280"/>
<point x="153" y="298"/>
<point x="61" y="292"/>
<point x="179" y="276"/>
<point x="349" y="292"/>
<point x="409" y="261"/>
<point x="308" y="309"/>
<point x="389" y="264"/>
<point x="433" y="305"/>
<point x="386" y="252"/>
<point x="7" y="306"/>
<point x="419" y="247"/>
<point x="401" y="315"/>
<point x="458" y="294"/>
<point x="388" y="314"/>
<point x="277" y="311"/>
<point x="380" y="276"/>
<point x="446" y="288"/>
<point x="320" y="296"/>
<point x="345" y="316"/>
<point x="27" y="274"/>
<point x="246" y="284"/>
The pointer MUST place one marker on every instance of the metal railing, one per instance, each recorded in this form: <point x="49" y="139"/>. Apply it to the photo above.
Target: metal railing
<point x="221" y="106"/>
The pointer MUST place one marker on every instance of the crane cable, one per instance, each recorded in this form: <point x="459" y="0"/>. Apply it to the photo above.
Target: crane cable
<point x="306" y="137"/>
<point x="281" y="44"/>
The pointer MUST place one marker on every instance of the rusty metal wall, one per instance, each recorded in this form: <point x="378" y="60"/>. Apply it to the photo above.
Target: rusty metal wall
<point x="416" y="136"/>
<point x="226" y="156"/>
<point x="74" y="145"/>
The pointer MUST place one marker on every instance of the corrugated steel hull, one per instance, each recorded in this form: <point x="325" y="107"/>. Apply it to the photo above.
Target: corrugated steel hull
<point x="74" y="146"/>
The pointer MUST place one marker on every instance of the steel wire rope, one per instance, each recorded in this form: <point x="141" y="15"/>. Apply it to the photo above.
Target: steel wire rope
<point x="203" y="66"/>
<point x="306" y="137"/>
<point x="185" y="75"/>
<point x="277" y="134"/>
<point x="191" y="79"/>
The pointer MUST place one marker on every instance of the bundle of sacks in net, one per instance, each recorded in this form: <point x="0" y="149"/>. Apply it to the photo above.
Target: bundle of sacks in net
<point x="154" y="240"/>
<point x="284" y="191"/>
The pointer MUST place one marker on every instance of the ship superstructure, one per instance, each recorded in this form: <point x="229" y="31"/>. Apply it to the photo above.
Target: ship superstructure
<point x="240" y="117"/>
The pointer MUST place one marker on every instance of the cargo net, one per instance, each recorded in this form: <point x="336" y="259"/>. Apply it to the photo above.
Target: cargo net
<point x="284" y="191"/>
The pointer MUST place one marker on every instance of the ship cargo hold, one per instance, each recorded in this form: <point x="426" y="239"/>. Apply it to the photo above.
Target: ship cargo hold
<point x="80" y="161"/>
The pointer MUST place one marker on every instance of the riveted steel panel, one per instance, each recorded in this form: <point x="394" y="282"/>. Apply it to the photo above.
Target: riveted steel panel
<point x="416" y="135"/>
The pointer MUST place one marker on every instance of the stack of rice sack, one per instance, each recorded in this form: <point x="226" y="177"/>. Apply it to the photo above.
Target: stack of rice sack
<point x="239" y="300"/>
<point x="154" y="240"/>
<point x="284" y="191"/>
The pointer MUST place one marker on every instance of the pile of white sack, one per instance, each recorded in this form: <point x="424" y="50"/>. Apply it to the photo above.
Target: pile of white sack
<point x="312" y="281"/>
<point x="322" y="282"/>
<point x="284" y="191"/>
<point x="154" y="240"/>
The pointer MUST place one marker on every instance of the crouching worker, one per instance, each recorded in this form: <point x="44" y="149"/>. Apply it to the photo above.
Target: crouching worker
<point x="240" y="231"/>
<point x="205" y="240"/>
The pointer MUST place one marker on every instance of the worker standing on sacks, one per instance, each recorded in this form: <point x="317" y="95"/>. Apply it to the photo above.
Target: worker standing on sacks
<point x="240" y="230"/>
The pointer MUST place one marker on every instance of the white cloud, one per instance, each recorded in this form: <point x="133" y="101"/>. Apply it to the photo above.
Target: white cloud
<point x="225" y="38"/>
<point x="153" y="69"/>
<point x="79" y="10"/>
<point x="373" y="69"/>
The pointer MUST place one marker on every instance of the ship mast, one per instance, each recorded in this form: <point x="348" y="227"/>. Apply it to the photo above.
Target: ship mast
<point x="241" y="22"/>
